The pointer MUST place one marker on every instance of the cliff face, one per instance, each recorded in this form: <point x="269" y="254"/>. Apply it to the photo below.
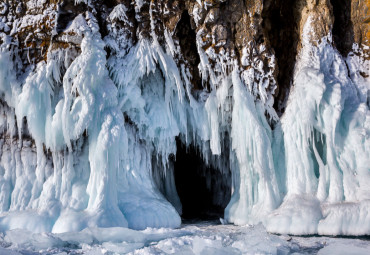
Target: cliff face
<point x="231" y="28"/>
<point x="96" y="96"/>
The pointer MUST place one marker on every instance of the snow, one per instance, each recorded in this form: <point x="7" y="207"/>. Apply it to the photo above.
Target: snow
<point x="103" y="132"/>
<point x="341" y="249"/>
<point x="297" y="215"/>
<point x="346" y="218"/>
<point x="205" y="238"/>
<point x="119" y="12"/>
<point x="138" y="5"/>
<point x="196" y="12"/>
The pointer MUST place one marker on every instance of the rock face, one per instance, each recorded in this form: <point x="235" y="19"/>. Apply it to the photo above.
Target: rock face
<point x="231" y="28"/>
<point x="228" y="27"/>
<point x="95" y="93"/>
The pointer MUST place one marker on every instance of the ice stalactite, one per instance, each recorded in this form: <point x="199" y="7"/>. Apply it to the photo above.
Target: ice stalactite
<point x="151" y="96"/>
<point x="256" y="191"/>
<point x="232" y="108"/>
<point x="90" y="105"/>
<point x="325" y="129"/>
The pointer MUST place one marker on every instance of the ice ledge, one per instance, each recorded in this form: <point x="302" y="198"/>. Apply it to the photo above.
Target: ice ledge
<point x="303" y="215"/>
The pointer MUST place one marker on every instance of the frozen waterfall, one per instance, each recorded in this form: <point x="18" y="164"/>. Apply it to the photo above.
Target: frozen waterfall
<point x="91" y="143"/>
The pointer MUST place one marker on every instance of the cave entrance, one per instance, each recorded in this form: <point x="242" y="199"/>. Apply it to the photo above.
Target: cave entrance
<point x="203" y="190"/>
<point x="343" y="34"/>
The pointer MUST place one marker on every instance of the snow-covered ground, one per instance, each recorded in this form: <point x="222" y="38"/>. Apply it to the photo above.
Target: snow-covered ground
<point x="196" y="238"/>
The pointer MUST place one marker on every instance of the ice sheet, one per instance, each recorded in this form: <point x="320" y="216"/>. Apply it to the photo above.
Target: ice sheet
<point x="200" y="238"/>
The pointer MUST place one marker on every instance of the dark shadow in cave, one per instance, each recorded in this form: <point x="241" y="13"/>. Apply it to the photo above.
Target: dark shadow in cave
<point x="281" y="26"/>
<point x="203" y="190"/>
<point x="68" y="10"/>
<point x="188" y="45"/>
<point x="343" y="34"/>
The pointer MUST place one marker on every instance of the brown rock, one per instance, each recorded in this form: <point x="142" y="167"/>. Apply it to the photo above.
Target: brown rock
<point x="231" y="27"/>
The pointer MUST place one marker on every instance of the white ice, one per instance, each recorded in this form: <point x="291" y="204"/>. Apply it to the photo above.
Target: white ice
<point x="205" y="238"/>
<point x="327" y="147"/>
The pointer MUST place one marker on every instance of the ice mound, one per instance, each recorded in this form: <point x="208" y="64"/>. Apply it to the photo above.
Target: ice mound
<point x="190" y="239"/>
<point x="349" y="218"/>
<point x="297" y="215"/>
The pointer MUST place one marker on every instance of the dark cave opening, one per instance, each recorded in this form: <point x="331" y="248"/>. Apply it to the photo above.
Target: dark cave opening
<point x="67" y="12"/>
<point x="188" y="45"/>
<point x="281" y="27"/>
<point x="343" y="34"/>
<point x="203" y="190"/>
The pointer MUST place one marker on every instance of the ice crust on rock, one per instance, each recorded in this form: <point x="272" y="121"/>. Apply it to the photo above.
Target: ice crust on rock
<point x="327" y="146"/>
<point x="90" y="146"/>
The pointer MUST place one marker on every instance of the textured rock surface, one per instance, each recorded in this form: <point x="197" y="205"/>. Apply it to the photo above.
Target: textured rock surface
<point x="226" y="28"/>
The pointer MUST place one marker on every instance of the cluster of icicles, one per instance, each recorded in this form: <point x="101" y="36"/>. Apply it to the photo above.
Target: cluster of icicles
<point x="100" y="127"/>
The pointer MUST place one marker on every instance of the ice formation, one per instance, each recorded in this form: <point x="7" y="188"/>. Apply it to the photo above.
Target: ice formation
<point x="200" y="239"/>
<point x="326" y="141"/>
<point x="90" y="141"/>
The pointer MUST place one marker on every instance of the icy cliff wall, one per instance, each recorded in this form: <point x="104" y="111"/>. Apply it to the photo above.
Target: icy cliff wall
<point x="94" y="95"/>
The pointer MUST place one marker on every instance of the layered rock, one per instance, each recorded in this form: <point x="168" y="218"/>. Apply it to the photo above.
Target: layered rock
<point x="224" y="27"/>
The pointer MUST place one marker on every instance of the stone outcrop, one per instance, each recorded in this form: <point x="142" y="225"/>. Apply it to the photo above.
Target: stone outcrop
<point x="226" y="26"/>
<point x="233" y="28"/>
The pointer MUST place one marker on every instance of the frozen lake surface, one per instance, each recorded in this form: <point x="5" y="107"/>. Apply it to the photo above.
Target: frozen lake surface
<point x="192" y="238"/>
